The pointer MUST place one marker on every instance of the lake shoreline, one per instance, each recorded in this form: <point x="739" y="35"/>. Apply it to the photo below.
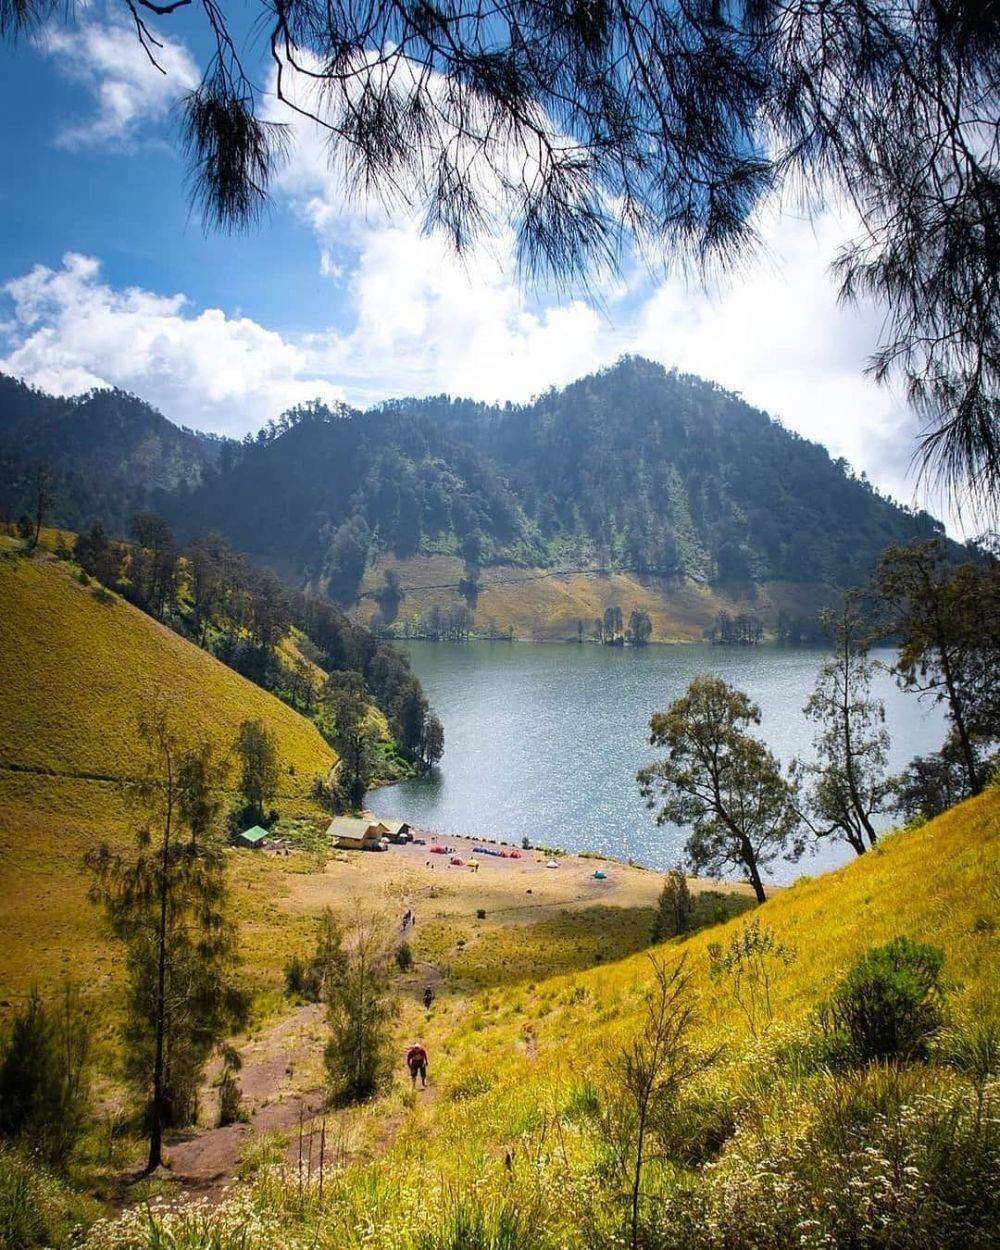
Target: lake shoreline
<point x="545" y="742"/>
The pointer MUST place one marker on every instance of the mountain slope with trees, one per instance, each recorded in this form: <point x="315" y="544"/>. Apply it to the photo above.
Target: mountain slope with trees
<point x="632" y="470"/>
<point x="109" y="453"/>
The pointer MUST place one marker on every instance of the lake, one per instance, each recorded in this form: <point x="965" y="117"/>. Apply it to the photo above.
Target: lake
<point x="544" y="740"/>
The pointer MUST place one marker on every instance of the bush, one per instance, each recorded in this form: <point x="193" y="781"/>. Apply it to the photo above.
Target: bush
<point x="231" y="1109"/>
<point x="887" y="1007"/>
<point x="480" y="913"/>
<point x="44" y="1096"/>
<point x="295" y="977"/>
<point x="674" y="909"/>
<point x="404" y="957"/>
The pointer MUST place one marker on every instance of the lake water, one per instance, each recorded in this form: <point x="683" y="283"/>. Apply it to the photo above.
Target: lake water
<point x="544" y="741"/>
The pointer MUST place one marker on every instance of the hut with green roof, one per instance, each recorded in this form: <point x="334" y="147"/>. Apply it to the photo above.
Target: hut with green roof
<point x="252" y="838"/>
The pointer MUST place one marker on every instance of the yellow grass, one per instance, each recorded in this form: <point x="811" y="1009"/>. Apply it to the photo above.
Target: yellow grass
<point x="525" y="1046"/>
<point x="545" y="606"/>
<point x="78" y="665"/>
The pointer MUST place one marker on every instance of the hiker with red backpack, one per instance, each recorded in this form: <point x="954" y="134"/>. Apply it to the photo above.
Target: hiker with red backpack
<point x="416" y="1061"/>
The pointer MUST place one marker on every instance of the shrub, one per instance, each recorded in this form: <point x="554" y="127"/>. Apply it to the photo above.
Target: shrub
<point x="231" y="1109"/>
<point x="749" y="966"/>
<point x="887" y="1007"/>
<point x="480" y="913"/>
<point x="44" y="1095"/>
<point x="35" y="1208"/>
<point x="295" y="977"/>
<point x="404" y="957"/>
<point x="674" y="909"/>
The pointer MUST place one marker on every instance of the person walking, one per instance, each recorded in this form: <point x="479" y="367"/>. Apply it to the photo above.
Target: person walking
<point x="416" y="1061"/>
<point x="428" y="997"/>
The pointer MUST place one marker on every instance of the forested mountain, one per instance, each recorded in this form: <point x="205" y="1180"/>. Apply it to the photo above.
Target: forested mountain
<point x="633" y="468"/>
<point x="110" y="453"/>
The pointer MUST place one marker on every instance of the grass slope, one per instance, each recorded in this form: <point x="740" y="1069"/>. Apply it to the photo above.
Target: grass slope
<point x="524" y="1049"/>
<point x="545" y="606"/>
<point x="79" y="665"/>
<point x="515" y="1065"/>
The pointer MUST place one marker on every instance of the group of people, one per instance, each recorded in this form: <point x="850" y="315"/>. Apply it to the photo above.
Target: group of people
<point x="416" y="1056"/>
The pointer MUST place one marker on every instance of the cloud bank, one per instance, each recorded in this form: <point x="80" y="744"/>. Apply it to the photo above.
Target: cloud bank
<point x="127" y="90"/>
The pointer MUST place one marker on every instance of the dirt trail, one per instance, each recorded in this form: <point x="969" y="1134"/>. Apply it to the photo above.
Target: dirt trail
<point x="281" y="1093"/>
<point x="278" y="1087"/>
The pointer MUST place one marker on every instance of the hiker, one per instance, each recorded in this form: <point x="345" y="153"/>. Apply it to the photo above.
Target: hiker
<point x="406" y="917"/>
<point x="428" y="997"/>
<point x="416" y="1061"/>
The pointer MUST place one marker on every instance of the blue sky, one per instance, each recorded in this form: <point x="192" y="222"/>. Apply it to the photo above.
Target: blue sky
<point x="106" y="277"/>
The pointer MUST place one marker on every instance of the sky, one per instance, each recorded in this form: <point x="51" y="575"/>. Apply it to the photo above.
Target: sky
<point x="107" y="277"/>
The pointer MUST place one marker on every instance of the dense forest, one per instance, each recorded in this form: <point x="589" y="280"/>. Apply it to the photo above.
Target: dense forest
<point x="631" y="468"/>
<point x="109" y="453"/>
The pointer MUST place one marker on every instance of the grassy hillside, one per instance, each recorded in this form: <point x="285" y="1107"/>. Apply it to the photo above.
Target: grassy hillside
<point x="541" y="605"/>
<point x="518" y="1072"/>
<point x="78" y="665"/>
<point x="938" y="884"/>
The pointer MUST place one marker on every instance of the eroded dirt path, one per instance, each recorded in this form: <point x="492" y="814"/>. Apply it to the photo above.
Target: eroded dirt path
<point x="281" y="1082"/>
<point x="280" y="1088"/>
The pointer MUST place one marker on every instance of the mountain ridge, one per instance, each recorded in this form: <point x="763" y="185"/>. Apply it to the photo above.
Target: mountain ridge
<point x="632" y="468"/>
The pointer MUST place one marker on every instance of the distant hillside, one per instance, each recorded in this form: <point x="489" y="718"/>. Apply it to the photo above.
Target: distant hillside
<point x="631" y="469"/>
<point x="634" y="470"/>
<point x="79" y="665"/>
<point x="111" y="453"/>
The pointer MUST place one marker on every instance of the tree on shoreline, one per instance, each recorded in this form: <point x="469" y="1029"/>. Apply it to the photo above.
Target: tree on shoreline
<point x="850" y="781"/>
<point x="947" y="619"/>
<point x="721" y="782"/>
<point x="352" y="735"/>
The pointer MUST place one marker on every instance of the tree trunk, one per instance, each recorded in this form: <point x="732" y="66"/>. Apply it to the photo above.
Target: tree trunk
<point x="750" y="860"/>
<point x="957" y="715"/>
<point x="156" y="1125"/>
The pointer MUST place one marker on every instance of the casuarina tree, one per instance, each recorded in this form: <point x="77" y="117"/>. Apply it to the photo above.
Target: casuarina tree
<point x="165" y="900"/>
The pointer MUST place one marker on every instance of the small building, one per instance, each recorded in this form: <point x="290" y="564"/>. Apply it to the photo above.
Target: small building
<point x="354" y="833"/>
<point x="252" y="838"/>
<point x="397" y="830"/>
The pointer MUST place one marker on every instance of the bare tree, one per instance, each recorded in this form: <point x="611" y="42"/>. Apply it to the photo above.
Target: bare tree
<point x="851" y="785"/>
<point x="647" y="1075"/>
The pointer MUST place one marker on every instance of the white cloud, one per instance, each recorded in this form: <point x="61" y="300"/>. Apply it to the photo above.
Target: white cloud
<point x="426" y="321"/>
<point x="127" y="89"/>
<point x="72" y="331"/>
